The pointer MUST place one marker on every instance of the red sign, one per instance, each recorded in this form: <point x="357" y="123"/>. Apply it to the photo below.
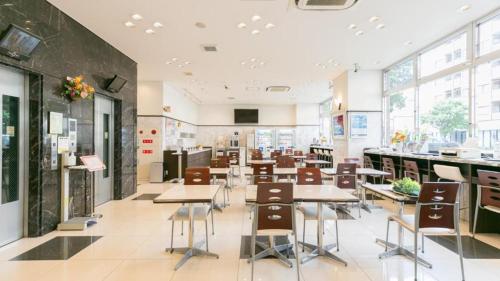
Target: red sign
<point x="147" y="141"/>
<point x="147" y="151"/>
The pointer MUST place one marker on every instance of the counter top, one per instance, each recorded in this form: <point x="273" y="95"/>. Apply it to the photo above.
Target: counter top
<point x="321" y="146"/>
<point x="435" y="158"/>
<point x="198" y="151"/>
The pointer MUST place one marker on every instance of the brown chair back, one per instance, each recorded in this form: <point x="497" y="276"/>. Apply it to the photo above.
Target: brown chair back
<point x="285" y="162"/>
<point x="490" y="188"/>
<point x="234" y="157"/>
<point x="275" y="154"/>
<point x="368" y="162"/>
<point x="347" y="182"/>
<point x="262" y="173"/>
<point x="219" y="163"/>
<point x="388" y="166"/>
<point x="298" y="153"/>
<point x="311" y="156"/>
<point x="353" y="160"/>
<point x="310" y="176"/>
<point x="195" y="176"/>
<point x="436" y="205"/>
<point x="275" y="206"/>
<point x="411" y="170"/>
<point x="346" y="169"/>
<point x="256" y="155"/>
<point x="289" y="151"/>
<point x="224" y="159"/>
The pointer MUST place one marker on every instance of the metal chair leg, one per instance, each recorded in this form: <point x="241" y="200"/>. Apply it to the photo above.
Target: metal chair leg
<point x="182" y="228"/>
<point x="415" y="247"/>
<point x="172" y="237"/>
<point x="294" y="229"/>
<point x="212" y="218"/>
<point x="460" y="252"/>
<point x="304" y="234"/>
<point x="254" y="229"/>
<point x="387" y="235"/>
<point x="337" y="233"/>
<point x="206" y="233"/>
<point x="423" y="239"/>
<point x="478" y="201"/>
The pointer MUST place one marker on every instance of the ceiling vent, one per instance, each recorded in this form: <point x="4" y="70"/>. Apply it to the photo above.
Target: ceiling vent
<point x="325" y="4"/>
<point x="209" y="48"/>
<point x="277" y="89"/>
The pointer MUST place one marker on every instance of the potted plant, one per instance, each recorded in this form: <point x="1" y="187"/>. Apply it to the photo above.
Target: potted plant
<point x="76" y="89"/>
<point x="407" y="186"/>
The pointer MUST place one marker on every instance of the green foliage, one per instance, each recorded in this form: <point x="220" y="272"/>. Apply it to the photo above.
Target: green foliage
<point x="407" y="186"/>
<point x="447" y="116"/>
<point x="397" y="101"/>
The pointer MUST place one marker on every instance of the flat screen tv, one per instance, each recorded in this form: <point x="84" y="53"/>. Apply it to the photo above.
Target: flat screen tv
<point x="18" y="43"/>
<point x="247" y="116"/>
<point x="116" y="84"/>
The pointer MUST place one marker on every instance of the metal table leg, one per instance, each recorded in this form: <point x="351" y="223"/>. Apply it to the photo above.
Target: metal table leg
<point x="274" y="250"/>
<point x="320" y="250"/>
<point x="219" y="207"/>
<point x="191" y="250"/>
<point x="399" y="249"/>
<point x="365" y="205"/>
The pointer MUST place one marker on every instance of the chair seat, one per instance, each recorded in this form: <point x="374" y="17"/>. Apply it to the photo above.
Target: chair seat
<point x="408" y="222"/>
<point x="492" y="208"/>
<point x="274" y="232"/>
<point x="200" y="213"/>
<point x="311" y="212"/>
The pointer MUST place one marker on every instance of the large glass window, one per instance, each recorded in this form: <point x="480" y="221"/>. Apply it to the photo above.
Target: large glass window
<point x="444" y="111"/>
<point x="489" y="36"/>
<point x="448" y="54"/>
<point x="401" y="106"/>
<point x="487" y="103"/>
<point x="398" y="76"/>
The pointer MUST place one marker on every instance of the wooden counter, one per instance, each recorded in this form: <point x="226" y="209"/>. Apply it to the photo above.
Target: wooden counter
<point x="190" y="159"/>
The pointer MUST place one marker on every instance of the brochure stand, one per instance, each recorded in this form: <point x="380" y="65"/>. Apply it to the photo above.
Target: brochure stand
<point x="91" y="163"/>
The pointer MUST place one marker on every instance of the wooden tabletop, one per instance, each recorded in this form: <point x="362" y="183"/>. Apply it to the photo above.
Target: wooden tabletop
<point x="219" y="171"/>
<point x="359" y="171"/>
<point x="181" y="193"/>
<point x="385" y="190"/>
<point x="310" y="193"/>
<point x="312" y="161"/>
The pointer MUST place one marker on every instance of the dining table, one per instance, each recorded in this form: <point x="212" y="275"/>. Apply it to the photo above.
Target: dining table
<point x="288" y="172"/>
<point x="317" y="162"/>
<point x="189" y="195"/>
<point x="321" y="195"/>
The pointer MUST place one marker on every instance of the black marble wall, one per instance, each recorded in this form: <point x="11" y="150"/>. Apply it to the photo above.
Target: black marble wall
<point x="69" y="49"/>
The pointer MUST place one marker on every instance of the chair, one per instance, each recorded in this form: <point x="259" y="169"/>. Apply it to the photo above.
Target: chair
<point x="411" y="170"/>
<point x="274" y="215"/>
<point x="222" y="162"/>
<point x="311" y="156"/>
<point x="389" y="167"/>
<point x="452" y="173"/>
<point x="353" y="160"/>
<point x="284" y="162"/>
<point x="288" y="151"/>
<point x="437" y="211"/>
<point x="262" y="173"/>
<point x="488" y="194"/>
<point x="275" y="154"/>
<point x="256" y="155"/>
<point x="194" y="176"/>
<point x="298" y="153"/>
<point x="234" y="160"/>
<point x="312" y="176"/>
<point x="347" y="179"/>
<point x="368" y="163"/>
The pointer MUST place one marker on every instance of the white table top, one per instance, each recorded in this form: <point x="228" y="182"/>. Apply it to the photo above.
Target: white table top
<point x="299" y="156"/>
<point x="219" y="171"/>
<point x="311" y="161"/>
<point x="276" y="171"/>
<point x="181" y="193"/>
<point x="385" y="190"/>
<point x="266" y="161"/>
<point x="310" y="193"/>
<point x="359" y="171"/>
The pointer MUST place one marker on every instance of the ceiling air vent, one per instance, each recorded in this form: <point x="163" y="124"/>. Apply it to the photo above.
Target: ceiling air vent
<point x="325" y="4"/>
<point x="209" y="48"/>
<point x="277" y="89"/>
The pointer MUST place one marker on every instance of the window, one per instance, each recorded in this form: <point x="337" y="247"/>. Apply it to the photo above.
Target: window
<point x="489" y="36"/>
<point x="487" y="103"/>
<point x="443" y="118"/>
<point x="446" y="55"/>
<point x="398" y="76"/>
<point x="401" y="106"/>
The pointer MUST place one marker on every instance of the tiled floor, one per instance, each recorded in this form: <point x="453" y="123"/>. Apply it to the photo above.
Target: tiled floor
<point x="136" y="232"/>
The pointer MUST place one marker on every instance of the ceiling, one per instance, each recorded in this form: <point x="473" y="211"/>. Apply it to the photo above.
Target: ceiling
<point x="290" y="51"/>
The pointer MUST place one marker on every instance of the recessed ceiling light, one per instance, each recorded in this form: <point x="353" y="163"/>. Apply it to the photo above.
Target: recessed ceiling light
<point x="27" y="21"/>
<point x="269" y="25"/>
<point x="255" y="32"/>
<point x="381" y="26"/>
<point x="129" y="24"/>
<point x="200" y="25"/>
<point x="158" y="24"/>
<point x="168" y="62"/>
<point x="408" y="43"/>
<point x="256" y="18"/>
<point x="137" y="17"/>
<point x="149" y="31"/>
<point x="242" y="25"/>
<point x="253" y="59"/>
<point x="174" y="59"/>
<point x="8" y="4"/>
<point x="359" y="33"/>
<point x="180" y="65"/>
<point x="464" y="8"/>
<point x="187" y="62"/>
<point x="374" y="19"/>
<point x="336" y="64"/>
<point x="262" y="63"/>
<point x="318" y="64"/>
<point x="352" y="26"/>
<point x="243" y="62"/>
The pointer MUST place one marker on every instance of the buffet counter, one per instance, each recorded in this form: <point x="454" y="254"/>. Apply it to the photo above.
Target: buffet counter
<point x="487" y="221"/>
<point x="190" y="159"/>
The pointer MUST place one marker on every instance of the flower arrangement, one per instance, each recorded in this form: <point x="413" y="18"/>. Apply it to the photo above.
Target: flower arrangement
<point x="407" y="186"/>
<point x="76" y="89"/>
<point x="399" y="137"/>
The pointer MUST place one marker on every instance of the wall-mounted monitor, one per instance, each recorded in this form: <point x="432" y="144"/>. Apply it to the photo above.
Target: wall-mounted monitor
<point x="116" y="84"/>
<point x="18" y="43"/>
<point x="246" y="116"/>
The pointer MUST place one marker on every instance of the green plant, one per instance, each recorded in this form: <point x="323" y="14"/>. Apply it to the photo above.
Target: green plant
<point x="407" y="186"/>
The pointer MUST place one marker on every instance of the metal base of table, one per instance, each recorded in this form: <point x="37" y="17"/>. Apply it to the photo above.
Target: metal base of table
<point x="369" y="208"/>
<point x="190" y="252"/>
<point x="274" y="251"/>
<point x="316" y="252"/>
<point x="395" y="250"/>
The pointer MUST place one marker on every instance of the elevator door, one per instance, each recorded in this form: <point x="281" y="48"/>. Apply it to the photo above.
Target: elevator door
<point x="103" y="143"/>
<point x="11" y="171"/>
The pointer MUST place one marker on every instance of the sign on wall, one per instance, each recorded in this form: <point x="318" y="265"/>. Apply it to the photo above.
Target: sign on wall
<point x="358" y="125"/>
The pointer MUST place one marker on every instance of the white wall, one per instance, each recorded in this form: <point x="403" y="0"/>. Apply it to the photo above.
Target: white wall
<point x="307" y="114"/>
<point x="182" y="107"/>
<point x="269" y="115"/>
<point x="149" y="98"/>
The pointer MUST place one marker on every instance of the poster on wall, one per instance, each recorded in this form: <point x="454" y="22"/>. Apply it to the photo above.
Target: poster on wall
<point x="358" y="125"/>
<point x="338" y="126"/>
